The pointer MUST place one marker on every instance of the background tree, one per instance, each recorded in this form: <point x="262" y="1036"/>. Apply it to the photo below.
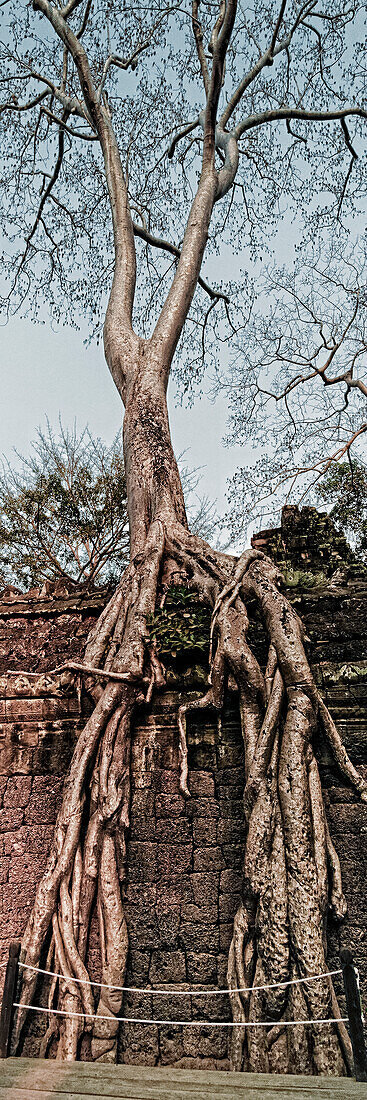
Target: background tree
<point x="235" y="94"/>
<point x="63" y="511"/>
<point x="344" y="492"/>
<point x="300" y="374"/>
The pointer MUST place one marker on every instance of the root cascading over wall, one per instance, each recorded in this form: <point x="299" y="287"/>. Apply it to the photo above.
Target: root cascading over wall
<point x="291" y="870"/>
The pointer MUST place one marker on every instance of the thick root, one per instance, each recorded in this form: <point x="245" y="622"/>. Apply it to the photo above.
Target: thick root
<point x="97" y="791"/>
<point x="280" y="928"/>
<point x="291" y="870"/>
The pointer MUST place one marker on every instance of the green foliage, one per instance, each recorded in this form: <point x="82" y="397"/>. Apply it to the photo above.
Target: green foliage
<point x="182" y="625"/>
<point x="63" y="513"/>
<point x="344" y="487"/>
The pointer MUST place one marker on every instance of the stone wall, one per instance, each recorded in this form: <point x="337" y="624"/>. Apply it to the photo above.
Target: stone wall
<point x="184" y="858"/>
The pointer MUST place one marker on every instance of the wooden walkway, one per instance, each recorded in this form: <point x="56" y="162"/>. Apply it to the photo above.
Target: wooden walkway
<point x="28" y="1079"/>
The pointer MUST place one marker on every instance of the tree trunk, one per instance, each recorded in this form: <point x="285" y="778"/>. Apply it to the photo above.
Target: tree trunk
<point x="153" y="483"/>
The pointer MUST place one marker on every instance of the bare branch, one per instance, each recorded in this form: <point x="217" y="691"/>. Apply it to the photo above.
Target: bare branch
<point x="68" y="129"/>
<point x="265" y="59"/>
<point x="198" y="35"/>
<point x="182" y="133"/>
<point x="277" y="113"/>
<point x="159" y="242"/>
<point x="45" y="196"/>
<point x="123" y="287"/>
<point x="276" y="30"/>
<point x="13" y="105"/>
<point x="179" y="298"/>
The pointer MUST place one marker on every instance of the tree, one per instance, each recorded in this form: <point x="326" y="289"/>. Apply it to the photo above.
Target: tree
<point x="301" y="377"/>
<point x="64" y="512"/>
<point x="275" y="70"/>
<point x="344" y="487"/>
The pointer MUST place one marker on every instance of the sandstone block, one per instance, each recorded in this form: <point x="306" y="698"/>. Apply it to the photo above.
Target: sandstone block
<point x="208" y="859"/>
<point x="167" y="966"/>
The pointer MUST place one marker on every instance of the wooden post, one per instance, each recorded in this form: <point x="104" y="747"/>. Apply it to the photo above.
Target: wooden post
<point x="354" y="1010"/>
<point x="8" y="997"/>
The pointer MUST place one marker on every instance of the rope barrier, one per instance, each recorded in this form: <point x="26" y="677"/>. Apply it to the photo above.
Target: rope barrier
<point x="179" y="1023"/>
<point x="180" y="992"/>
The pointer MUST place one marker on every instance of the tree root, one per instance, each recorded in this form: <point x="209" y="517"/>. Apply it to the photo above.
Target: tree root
<point x="291" y="874"/>
<point x="280" y="928"/>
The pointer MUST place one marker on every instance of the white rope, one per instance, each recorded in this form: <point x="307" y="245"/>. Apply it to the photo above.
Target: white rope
<point x="179" y="1023"/>
<point x="180" y="992"/>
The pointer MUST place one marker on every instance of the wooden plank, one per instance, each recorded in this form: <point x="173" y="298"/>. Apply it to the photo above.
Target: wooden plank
<point x="25" y="1079"/>
<point x="12" y="1093"/>
<point x="191" y="1078"/>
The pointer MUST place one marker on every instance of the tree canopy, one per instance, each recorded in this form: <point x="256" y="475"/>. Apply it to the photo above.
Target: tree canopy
<point x="291" y="102"/>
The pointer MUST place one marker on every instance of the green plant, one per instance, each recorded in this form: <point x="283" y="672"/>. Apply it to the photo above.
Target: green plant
<point x="181" y="625"/>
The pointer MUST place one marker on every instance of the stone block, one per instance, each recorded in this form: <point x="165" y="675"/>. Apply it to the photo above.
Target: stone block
<point x="201" y="783"/>
<point x="228" y="905"/>
<point x="41" y="809"/>
<point x="4" y="868"/>
<point x="222" y="966"/>
<point x="27" y="869"/>
<point x="173" y="858"/>
<point x="201" y="968"/>
<point x="216" y="1006"/>
<point x="10" y="819"/>
<point x="200" y="937"/>
<point x="205" y="887"/>
<point x="142" y="861"/>
<point x="170" y="1045"/>
<point x="138" y="967"/>
<point x="143" y="926"/>
<point x="167" y="966"/>
<point x="233" y="855"/>
<point x="24" y="710"/>
<point x="205" y="831"/>
<point x="16" y="760"/>
<point x="169" y="805"/>
<point x="15" y="844"/>
<point x="17" y="792"/>
<point x="200" y="914"/>
<point x="166" y="781"/>
<point x="226" y="933"/>
<point x="204" y="1043"/>
<point x="208" y="859"/>
<point x="172" y="1008"/>
<point x="230" y="833"/>
<point x="203" y="807"/>
<point x="178" y="831"/>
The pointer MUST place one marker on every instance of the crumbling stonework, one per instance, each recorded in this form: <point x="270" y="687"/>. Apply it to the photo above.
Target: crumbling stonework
<point x="184" y="858"/>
